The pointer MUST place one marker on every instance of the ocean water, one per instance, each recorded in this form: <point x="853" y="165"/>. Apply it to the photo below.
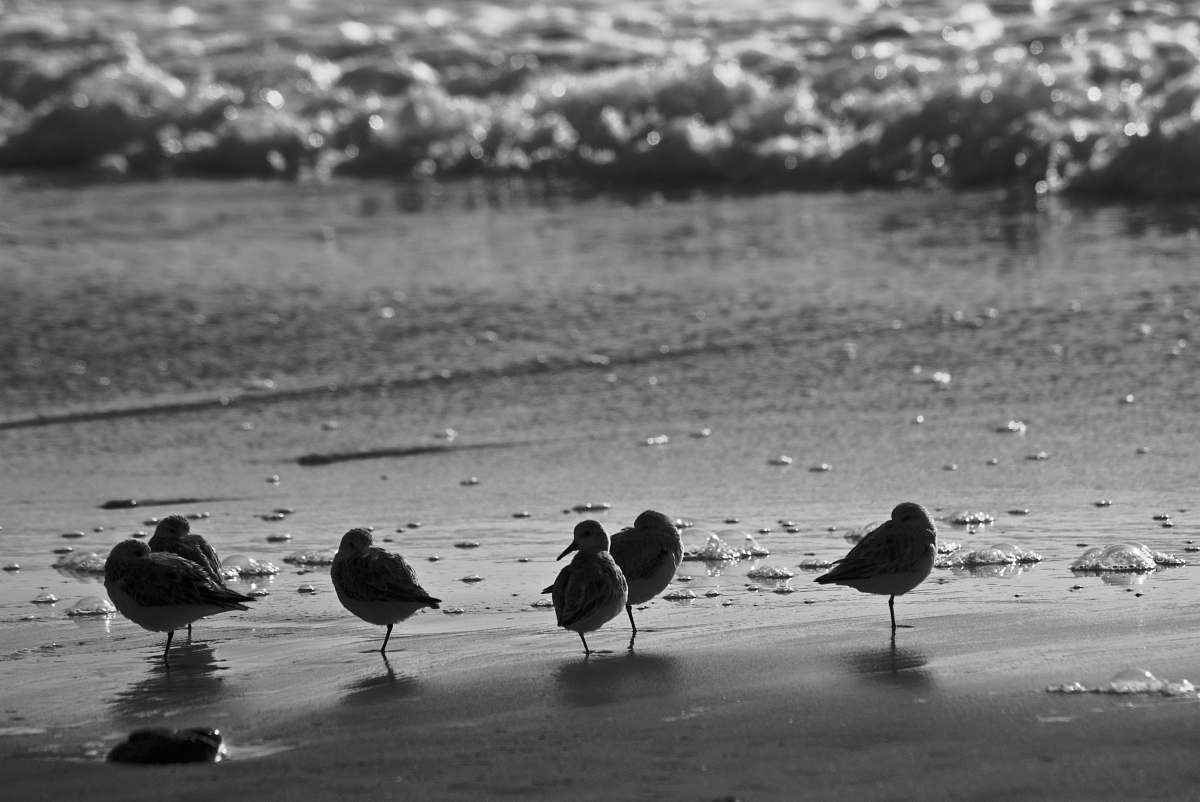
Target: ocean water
<point x="1070" y="96"/>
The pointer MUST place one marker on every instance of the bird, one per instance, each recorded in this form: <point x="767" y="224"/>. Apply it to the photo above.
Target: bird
<point x="590" y="590"/>
<point x="647" y="554"/>
<point x="161" y="592"/>
<point x="891" y="559"/>
<point x="174" y="535"/>
<point x="377" y="586"/>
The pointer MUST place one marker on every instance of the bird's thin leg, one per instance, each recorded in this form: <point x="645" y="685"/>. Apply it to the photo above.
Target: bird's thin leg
<point x="383" y="648"/>
<point x="189" y="633"/>
<point x="170" y="635"/>
<point x="586" y="650"/>
<point x="892" y="609"/>
<point x="629" y="612"/>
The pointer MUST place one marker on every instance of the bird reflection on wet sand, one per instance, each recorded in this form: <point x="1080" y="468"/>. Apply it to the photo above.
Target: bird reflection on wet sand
<point x="587" y="683"/>
<point x="380" y="687"/>
<point x="891" y="666"/>
<point x="192" y="680"/>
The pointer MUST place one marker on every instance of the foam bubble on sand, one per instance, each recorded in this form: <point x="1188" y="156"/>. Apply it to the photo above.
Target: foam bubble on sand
<point x="1131" y="681"/>
<point x="86" y="563"/>
<point x="998" y="554"/>
<point x="91" y="605"/>
<point x="718" y="549"/>
<point x="967" y="518"/>
<point x="311" y="557"/>
<point x="1133" y="557"/>
<point x="769" y="572"/>
<point x="239" y="565"/>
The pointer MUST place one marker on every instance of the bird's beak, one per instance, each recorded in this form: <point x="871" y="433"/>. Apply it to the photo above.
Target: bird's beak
<point x="567" y="551"/>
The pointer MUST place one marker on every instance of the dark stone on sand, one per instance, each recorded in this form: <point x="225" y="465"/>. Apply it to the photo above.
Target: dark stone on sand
<point x="119" y="504"/>
<point x="160" y="745"/>
<point x="129" y="504"/>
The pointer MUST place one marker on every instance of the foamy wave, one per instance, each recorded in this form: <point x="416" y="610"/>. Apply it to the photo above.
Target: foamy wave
<point x="961" y="96"/>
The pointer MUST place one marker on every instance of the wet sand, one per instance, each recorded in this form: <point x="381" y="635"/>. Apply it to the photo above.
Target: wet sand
<point x="749" y="693"/>
<point x="768" y="711"/>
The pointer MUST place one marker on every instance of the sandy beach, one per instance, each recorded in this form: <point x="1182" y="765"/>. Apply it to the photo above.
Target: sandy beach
<point x="753" y="689"/>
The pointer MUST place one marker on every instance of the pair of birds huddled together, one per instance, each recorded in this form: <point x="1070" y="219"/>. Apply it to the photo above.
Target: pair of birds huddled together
<point x="175" y="579"/>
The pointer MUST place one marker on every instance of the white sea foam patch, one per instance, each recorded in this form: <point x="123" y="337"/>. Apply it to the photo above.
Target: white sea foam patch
<point x="1130" y="557"/>
<point x="998" y="554"/>
<point x="1131" y="681"/>
<point x="311" y="557"/>
<point x="89" y="562"/>
<point x="239" y="565"/>
<point x="717" y="546"/>
<point x="91" y="605"/>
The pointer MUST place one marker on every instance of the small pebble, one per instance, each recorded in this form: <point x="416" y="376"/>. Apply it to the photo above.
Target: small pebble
<point x="919" y="419"/>
<point x="521" y="514"/>
<point x="731" y="520"/>
<point x="467" y="544"/>
<point x="433" y="558"/>
<point x="258" y="593"/>
<point x="280" y="538"/>
<point x="284" y="510"/>
<point x="273" y="516"/>
<point x="705" y="432"/>
<point x="1018" y="511"/>
<point x="1104" y="502"/>
<point x="45" y="597"/>
<point x="951" y="467"/>
<point x="470" y="481"/>
<point x="1128" y="399"/>
<point x="453" y="611"/>
<point x="412" y="525"/>
<point x="472" y="578"/>
<point x="1143" y="449"/>
<point x="657" y="440"/>
<point x="1040" y="456"/>
<point x="523" y="559"/>
<point x="273" y="479"/>
<point x="12" y="567"/>
<point x="306" y="589"/>
<point x="993" y="461"/>
<point x="782" y="459"/>
<point x="63" y="550"/>
<point x="824" y="467"/>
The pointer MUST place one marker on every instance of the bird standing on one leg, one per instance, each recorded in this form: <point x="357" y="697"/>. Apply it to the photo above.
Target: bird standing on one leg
<point x="377" y="586"/>
<point x="162" y="592"/>
<point x="891" y="559"/>
<point x="174" y="535"/>
<point x="648" y="555"/>
<point x="590" y="590"/>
